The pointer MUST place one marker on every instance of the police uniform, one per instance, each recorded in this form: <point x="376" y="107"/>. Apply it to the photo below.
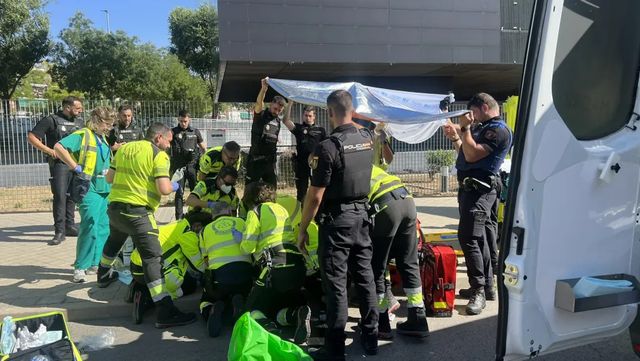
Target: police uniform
<point x="184" y="153"/>
<point x="207" y="190"/>
<point x="277" y="292"/>
<point x="342" y="165"/>
<point x="477" y="196"/>
<point x="125" y="135"/>
<point x="307" y="137"/>
<point x="229" y="272"/>
<point x="261" y="163"/>
<point x="394" y="236"/>
<point x="51" y="129"/>
<point x="211" y="162"/>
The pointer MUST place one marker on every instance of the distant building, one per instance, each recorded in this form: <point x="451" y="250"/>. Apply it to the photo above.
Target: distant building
<point x="414" y="45"/>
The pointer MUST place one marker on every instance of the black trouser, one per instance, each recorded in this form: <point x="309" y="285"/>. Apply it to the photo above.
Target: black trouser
<point x="344" y="245"/>
<point x="394" y="236"/>
<point x="303" y="173"/>
<point x="491" y="232"/>
<point x="261" y="167"/>
<point x="222" y="283"/>
<point x="313" y="292"/>
<point x="279" y="288"/>
<point x="475" y="222"/>
<point x="190" y="177"/>
<point x="139" y="223"/>
<point x="63" y="206"/>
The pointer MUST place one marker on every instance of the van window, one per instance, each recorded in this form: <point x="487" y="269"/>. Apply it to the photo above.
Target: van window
<point x="596" y="66"/>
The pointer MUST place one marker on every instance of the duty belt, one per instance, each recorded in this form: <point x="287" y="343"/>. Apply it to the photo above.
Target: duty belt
<point x="398" y="193"/>
<point x="469" y="184"/>
<point x="127" y="206"/>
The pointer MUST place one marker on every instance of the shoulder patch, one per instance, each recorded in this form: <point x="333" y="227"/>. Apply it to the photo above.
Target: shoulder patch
<point x="490" y="134"/>
<point x="313" y="162"/>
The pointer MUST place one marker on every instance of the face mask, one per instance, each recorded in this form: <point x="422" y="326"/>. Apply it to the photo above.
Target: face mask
<point x="225" y="188"/>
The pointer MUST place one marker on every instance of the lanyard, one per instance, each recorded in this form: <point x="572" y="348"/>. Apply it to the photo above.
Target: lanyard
<point x="99" y="144"/>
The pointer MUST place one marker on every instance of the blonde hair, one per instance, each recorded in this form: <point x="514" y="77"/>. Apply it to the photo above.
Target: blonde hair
<point x="100" y="115"/>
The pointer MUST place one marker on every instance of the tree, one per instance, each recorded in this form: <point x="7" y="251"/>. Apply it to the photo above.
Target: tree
<point x="194" y="39"/>
<point x="24" y="31"/>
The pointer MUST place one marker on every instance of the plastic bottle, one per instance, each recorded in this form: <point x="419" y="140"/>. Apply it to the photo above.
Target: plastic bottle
<point x="8" y="339"/>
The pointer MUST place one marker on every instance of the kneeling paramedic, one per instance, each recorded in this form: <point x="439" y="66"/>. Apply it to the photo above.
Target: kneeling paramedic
<point x="268" y="237"/>
<point x="216" y="195"/>
<point x="229" y="272"/>
<point x="140" y="176"/>
<point x="394" y="236"/>
<point x="181" y="258"/>
<point x="217" y="157"/>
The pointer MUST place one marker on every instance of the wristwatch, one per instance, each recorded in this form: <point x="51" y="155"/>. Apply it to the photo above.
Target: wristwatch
<point x="464" y="129"/>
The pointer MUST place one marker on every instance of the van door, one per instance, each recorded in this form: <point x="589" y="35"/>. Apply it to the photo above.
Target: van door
<point x="573" y="206"/>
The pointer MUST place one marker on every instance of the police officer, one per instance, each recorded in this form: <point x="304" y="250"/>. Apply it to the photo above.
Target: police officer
<point x="341" y="171"/>
<point x="126" y="130"/>
<point x="482" y="140"/>
<point x="140" y="176"/>
<point x="394" y="236"/>
<point x="261" y="164"/>
<point x="185" y="149"/>
<point x="308" y="135"/>
<point x="217" y="157"/>
<point x="47" y="132"/>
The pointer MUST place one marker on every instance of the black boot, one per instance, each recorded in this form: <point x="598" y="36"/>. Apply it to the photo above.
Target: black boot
<point x="369" y="342"/>
<point x="214" y="322"/>
<point x="416" y="323"/>
<point x="477" y="302"/>
<point x="57" y="239"/>
<point x="490" y="293"/>
<point x="106" y="276"/>
<point x="237" y="301"/>
<point x="333" y="349"/>
<point x="140" y="304"/>
<point x="384" y="326"/>
<point x="71" y="231"/>
<point x="303" y="325"/>
<point x="169" y="315"/>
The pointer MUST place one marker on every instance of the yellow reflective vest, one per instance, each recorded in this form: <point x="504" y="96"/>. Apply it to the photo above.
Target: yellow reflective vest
<point x="211" y="162"/>
<point x="220" y="242"/>
<point x="382" y="183"/>
<point x="267" y="225"/>
<point x="88" y="151"/>
<point x="293" y="207"/>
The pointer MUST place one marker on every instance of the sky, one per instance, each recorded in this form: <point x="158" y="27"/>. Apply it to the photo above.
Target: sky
<point x="145" y="19"/>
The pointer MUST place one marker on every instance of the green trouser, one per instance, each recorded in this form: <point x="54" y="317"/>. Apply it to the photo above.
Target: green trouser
<point x="93" y="231"/>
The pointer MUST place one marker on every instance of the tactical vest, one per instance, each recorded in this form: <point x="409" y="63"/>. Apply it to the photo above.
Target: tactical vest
<point x="129" y="134"/>
<point x="220" y="242"/>
<point x="492" y="162"/>
<point x="187" y="142"/>
<point x="311" y="136"/>
<point x="351" y="181"/>
<point x="265" y="135"/>
<point x="64" y="127"/>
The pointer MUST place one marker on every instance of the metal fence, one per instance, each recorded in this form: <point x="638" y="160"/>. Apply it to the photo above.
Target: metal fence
<point x="24" y="174"/>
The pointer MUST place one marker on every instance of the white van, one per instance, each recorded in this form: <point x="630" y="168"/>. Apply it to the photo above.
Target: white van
<point x="574" y="207"/>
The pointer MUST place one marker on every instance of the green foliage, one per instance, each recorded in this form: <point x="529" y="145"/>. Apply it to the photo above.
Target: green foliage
<point x="24" y="31"/>
<point x="104" y="65"/>
<point x="437" y="159"/>
<point x="194" y="40"/>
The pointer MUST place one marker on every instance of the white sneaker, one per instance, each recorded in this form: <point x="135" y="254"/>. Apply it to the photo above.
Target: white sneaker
<point x="79" y="276"/>
<point x="91" y="271"/>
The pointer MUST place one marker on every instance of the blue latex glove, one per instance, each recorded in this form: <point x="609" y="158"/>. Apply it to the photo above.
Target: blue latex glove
<point x="175" y="186"/>
<point x="78" y="169"/>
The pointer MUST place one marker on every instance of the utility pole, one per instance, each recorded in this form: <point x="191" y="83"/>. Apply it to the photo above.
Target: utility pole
<point x="106" y="13"/>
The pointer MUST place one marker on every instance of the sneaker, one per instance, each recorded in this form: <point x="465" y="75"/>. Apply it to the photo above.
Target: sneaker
<point x="303" y="326"/>
<point x="79" y="276"/>
<point x="92" y="271"/>
<point x="214" y="322"/>
<point x="476" y="303"/>
<point x="490" y="293"/>
<point x="237" y="302"/>
<point x="106" y="276"/>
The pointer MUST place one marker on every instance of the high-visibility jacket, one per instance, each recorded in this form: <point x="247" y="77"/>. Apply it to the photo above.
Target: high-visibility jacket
<point x="220" y="242"/>
<point x="311" y="258"/>
<point x="207" y="190"/>
<point x="180" y="252"/>
<point x="382" y="183"/>
<point x="88" y="151"/>
<point x="293" y="207"/>
<point x="211" y="162"/>
<point x="267" y="225"/>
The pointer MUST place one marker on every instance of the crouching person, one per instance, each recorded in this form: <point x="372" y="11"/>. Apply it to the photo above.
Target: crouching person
<point x="228" y="272"/>
<point x="268" y="237"/>
<point x="182" y="263"/>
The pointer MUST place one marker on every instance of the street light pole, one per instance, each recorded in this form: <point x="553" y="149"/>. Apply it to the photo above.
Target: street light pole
<point x="106" y="13"/>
